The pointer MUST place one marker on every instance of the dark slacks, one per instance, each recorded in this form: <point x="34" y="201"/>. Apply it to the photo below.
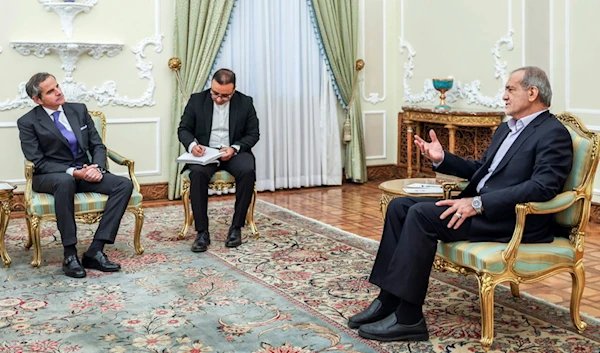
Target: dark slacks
<point x="64" y="186"/>
<point x="242" y="167"/>
<point x="410" y="235"/>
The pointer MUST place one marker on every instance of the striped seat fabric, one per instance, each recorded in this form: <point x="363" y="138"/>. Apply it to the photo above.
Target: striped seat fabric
<point x="485" y="256"/>
<point x="43" y="204"/>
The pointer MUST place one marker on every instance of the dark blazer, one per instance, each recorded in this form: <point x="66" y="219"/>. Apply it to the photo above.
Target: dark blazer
<point x="196" y="122"/>
<point x="44" y="145"/>
<point x="534" y="169"/>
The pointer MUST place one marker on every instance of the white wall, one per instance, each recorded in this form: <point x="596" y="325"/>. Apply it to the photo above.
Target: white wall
<point x="436" y="38"/>
<point x="144" y="29"/>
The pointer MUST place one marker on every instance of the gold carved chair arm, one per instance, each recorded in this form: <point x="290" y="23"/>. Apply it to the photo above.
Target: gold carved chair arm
<point x="28" y="180"/>
<point x="450" y="186"/>
<point x="121" y="160"/>
<point x="559" y="203"/>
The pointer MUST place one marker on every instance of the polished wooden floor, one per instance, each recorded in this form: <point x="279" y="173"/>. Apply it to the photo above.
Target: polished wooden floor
<point x="355" y="208"/>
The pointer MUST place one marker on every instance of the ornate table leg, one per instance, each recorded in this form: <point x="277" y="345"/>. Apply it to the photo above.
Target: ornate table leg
<point x="5" y="198"/>
<point x="451" y="137"/>
<point x="383" y="204"/>
<point x="409" y="146"/>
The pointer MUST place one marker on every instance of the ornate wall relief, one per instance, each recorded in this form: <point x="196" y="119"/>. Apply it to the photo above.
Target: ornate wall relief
<point x="67" y="10"/>
<point x="471" y="92"/>
<point x="69" y="53"/>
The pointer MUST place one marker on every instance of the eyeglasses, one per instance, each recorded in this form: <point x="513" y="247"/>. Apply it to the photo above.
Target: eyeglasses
<point x="224" y="97"/>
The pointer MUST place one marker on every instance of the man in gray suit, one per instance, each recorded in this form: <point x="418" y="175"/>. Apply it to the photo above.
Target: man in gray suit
<point x="61" y="141"/>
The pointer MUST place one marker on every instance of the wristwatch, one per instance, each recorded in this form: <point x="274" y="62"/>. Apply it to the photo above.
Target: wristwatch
<point x="476" y="204"/>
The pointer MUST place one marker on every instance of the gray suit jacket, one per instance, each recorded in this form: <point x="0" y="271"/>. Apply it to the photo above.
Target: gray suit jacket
<point x="44" y="145"/>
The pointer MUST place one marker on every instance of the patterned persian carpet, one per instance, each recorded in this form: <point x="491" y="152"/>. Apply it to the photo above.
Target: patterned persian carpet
<point x="289" y="291"/>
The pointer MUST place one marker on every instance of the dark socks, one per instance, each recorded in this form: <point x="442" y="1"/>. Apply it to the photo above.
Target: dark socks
<point x="70" y="250"/>
<point x="388" y="299"/>
<point x="97" y="245"/>
<point x="409" y="313"/>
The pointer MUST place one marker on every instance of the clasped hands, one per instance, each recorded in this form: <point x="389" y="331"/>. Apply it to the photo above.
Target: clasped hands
<point x="458" y="209"/>
<point x="198" y="151"/>
<point x="89" y="173"/>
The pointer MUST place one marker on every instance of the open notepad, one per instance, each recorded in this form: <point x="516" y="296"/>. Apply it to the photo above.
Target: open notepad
<point x="211" y="155"/>
<point x="423" y="189"/>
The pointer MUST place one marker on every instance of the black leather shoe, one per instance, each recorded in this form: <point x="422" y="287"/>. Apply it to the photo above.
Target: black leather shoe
<point x="201" y="242"/>
<point x="72" y="267"/>
<point x="375" y="312"/>
<point x="234" y="238"/>
<point x="389" y="329"/>
<point x="99" y="261"/>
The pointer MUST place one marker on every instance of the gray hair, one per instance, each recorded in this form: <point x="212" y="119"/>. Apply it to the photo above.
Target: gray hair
<point x="536" y="77"/>
<point x="33" y="85"/>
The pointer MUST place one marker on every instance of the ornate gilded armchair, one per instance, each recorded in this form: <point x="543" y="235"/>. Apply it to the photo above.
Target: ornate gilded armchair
<point x="221" y="182"/>
<point x="89" y="206"/>
<point x="494" y="263"/>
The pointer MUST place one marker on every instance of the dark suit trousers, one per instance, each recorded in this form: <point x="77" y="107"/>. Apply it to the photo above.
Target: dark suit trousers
<point x="63" y="186"/>
<point x="242" y="167"/>
<point x="410" y="234"/>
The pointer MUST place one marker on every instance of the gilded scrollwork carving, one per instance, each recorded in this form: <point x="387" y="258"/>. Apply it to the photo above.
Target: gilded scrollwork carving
<point x="89" y="218"/>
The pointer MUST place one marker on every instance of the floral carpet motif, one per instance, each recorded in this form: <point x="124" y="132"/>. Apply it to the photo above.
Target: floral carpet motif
<point x="290" y="291"/>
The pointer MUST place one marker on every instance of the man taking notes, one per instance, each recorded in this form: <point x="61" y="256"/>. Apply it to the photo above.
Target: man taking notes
<point x="222" y="118"/>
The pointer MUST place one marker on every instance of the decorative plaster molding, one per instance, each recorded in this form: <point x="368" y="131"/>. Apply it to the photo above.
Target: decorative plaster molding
<point x="67" y="12"/>
<point x="107" y="92"/>
<point x="0" y="49"/>
<point x="471" y="92"/>
<point x="77" y="92"/>
<point x="69" y="52"/>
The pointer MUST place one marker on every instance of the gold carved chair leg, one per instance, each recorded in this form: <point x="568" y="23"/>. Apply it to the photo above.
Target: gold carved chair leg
<point x="33" y="225"/>
<point x="486" y="301"/>
<point x="577" y="286"/>
<point x="250" y="216"/>
<point x="514" y="290"/>
<point x="188" y="219"/>
<point x="139" y="223"/>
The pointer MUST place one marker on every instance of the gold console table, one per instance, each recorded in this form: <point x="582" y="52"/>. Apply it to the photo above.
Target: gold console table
<point x="6" y="195"/>
<point x="450" y="119"/>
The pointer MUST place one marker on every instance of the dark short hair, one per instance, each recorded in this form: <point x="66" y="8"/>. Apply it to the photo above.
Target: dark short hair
<point x="33" y="85"/>
<point x="535" y="77"/>
<point x="224" y="77"/>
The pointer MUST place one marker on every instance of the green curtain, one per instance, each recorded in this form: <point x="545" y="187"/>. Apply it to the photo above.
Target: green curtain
<point x="338" y="26"/>
<point x="200" y="27"/>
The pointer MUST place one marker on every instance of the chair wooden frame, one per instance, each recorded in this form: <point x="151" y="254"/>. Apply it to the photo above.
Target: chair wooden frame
<point x="577" y="198"/>
<point x="219" y="185"/>
<point x="34" y="220"/>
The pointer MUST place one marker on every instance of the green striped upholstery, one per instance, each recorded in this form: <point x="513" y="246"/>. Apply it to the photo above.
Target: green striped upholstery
<point x="582" y="151"/>
<point x="43" y="204"/>
<point x="487" y="256"/>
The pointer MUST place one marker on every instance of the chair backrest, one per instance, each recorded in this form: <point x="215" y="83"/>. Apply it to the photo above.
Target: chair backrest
<point x="583" y="170"/>
<point x="99" y="122"/>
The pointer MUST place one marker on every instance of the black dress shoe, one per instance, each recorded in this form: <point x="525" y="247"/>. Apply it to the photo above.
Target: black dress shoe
<point x="99" y="261"/>
<point x="375" y="312"/>
<point x="72" y="267"/>
<point x="201" y="242"/>
<point x="234" y="238"/>
<point x="389" y="329"/>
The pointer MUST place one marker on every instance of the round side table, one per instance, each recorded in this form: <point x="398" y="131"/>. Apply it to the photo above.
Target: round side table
<point x="6" y="195"/>
<point x="393" y="188"/>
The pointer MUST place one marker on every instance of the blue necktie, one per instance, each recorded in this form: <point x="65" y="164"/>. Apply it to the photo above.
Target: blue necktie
<point x="69" y="135"/>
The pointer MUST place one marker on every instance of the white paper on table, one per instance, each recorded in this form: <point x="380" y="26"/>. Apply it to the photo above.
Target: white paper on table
<point x="6" y="186"/>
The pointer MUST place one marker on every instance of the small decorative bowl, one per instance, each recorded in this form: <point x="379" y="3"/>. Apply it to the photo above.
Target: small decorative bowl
<point x="442" y="85"/>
